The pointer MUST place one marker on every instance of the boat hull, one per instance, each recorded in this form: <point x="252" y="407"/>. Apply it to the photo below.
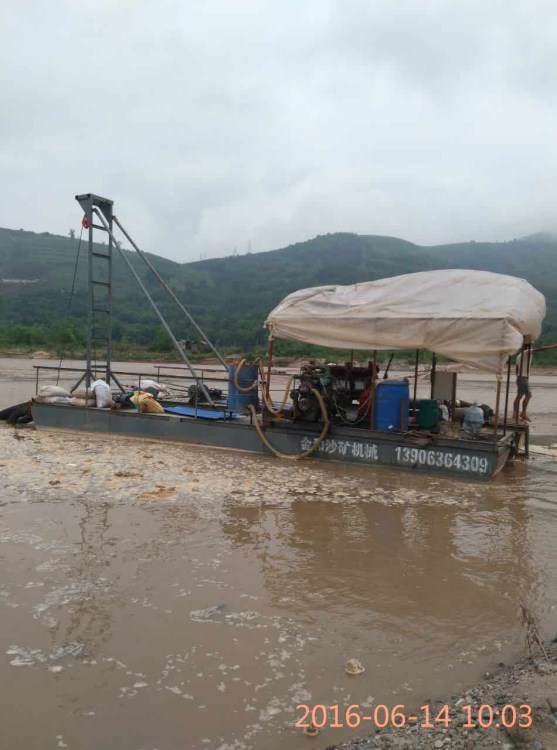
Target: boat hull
<point x="350" y="445"/>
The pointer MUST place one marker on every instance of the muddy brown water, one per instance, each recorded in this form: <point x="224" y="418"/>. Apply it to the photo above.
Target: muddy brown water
<point x="161" y="596"/>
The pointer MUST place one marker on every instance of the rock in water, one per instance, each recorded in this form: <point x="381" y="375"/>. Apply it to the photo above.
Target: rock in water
<point x="353" y="667"/>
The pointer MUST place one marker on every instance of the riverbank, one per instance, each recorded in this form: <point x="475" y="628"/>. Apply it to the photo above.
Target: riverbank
<point x="134" y="354"/>
<point x="530" y="686"/>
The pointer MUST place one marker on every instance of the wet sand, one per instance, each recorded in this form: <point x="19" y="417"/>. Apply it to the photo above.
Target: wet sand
<point x="163" y="596"/>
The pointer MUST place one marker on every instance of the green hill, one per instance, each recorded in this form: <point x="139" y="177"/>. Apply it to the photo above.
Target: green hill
<point x="231" y="296"/>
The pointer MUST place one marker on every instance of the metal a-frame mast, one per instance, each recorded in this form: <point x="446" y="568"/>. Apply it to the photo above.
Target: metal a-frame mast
<point x="99" y="296"/>
<point x="99" y="288"/>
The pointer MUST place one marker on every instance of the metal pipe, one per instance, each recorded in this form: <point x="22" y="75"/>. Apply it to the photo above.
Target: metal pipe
<point x="519" y="371"/>
<point x="90" y="299"/>
<point x="196" y="400"/>
<point x="386" y="372"/>
<point x="506" y="416"/>
<point x="372" y="400"/>
<point x="269" y="365"/>
<point x="155" y="308"/>
<point x="79" y="382"/>
<point x="108" y="327"/>
<point x="171" y="293"/>
<point x="497" y="400"/>
<point x="127" y="372"/>
<point x="115" y="379"/>
<point x="415" y="383"/>
<point x="266" y="415"/>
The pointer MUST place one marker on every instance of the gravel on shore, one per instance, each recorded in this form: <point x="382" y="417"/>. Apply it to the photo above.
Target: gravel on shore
<point x="531" y="682"/>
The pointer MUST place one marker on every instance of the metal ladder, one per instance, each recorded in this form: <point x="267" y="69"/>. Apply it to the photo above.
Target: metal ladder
<point x="99" y="291"/>
<point x="101" y="310"/>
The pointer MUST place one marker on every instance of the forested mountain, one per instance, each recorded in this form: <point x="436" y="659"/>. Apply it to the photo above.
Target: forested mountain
<point x="231" y="296"/>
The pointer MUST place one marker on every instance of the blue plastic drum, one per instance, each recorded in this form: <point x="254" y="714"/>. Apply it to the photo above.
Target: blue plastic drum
<point x="392" y="398"/>
<point x="238" y="401"/>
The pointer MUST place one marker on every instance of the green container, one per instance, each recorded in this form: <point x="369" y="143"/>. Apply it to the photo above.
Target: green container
<point x="428" y="413"/>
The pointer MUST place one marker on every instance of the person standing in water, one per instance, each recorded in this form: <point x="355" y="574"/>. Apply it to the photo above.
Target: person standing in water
<point x="523" y="390"/>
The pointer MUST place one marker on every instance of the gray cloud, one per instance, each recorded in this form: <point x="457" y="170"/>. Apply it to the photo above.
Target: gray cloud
<point x="215" y="124"/>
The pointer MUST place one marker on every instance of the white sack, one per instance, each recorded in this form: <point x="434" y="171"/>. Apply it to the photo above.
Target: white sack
<point x="82" y="402"/>
<point x="475" y="317"/>
<point x="84" y="393"/>
<point x="103" y="393"/>
<point x="39" y="399"/>
<point x="53" y="390"/>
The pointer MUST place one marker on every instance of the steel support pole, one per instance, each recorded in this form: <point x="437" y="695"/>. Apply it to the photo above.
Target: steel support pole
<point x="415" y="383"/>
<point x="79" y="382"/>
<point x="269" y="366"/>
<point x="199" y="383"/>
<point x="373" y="382"/>
<point x="519" y="373"/>
<point x="497" y="401"/>
<point x="266" y="415"/>
<point x="171" y="293"/>
<point x="108" y="328"/>
<point x="90" y="300"/>
<point x="506" y="416"/>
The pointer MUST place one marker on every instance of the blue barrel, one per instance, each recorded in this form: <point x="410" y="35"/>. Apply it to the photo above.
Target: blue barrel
<point x="392" y="399"/>
<point x="238" y="401"/>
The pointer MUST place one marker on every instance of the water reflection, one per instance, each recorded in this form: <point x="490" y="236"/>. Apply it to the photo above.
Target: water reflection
<point x="244" y="591"/>
<point x="81" y="612"/>
<point x="428" y="575"/>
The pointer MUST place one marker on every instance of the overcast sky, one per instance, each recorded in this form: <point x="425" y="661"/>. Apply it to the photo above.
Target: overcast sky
<point x="222" y="124"/>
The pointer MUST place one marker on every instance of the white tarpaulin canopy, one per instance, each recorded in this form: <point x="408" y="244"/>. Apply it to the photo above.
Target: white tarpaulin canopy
<point x="475" y="317"/>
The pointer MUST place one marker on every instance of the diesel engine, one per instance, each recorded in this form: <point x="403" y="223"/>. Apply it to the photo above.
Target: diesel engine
<point x="339" y="386"/>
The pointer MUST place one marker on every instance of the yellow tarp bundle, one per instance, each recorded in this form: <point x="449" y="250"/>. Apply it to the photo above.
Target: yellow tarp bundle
<point x="146" y="402"/>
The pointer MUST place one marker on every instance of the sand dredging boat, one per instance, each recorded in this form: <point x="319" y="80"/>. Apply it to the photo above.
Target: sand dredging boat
<point x="471" y="321"/>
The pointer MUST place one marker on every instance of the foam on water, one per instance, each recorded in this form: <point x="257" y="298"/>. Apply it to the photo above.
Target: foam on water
<point x="242" y="593"/>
